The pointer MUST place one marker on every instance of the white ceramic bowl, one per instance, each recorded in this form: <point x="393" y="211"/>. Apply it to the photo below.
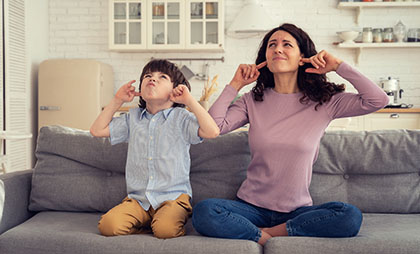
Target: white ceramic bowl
<point x="348" y="36"/>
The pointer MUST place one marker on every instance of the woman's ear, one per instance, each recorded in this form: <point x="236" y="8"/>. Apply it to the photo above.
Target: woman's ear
<point x="301" y="63"/>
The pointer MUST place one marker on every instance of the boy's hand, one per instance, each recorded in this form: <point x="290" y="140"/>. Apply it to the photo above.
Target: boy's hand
<point x="181" y="95"/>
<point x="127" y="92"/>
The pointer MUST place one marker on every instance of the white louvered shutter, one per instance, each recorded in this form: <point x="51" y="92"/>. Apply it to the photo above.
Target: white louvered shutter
<point x="17" y="89"/>
<point x="1" y="76"/>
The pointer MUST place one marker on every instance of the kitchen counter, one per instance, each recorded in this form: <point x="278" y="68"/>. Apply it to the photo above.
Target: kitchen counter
<point x="399" y="110"/>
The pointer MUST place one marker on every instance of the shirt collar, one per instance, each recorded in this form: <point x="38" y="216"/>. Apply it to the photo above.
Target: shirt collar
<point x="165" y="113"/>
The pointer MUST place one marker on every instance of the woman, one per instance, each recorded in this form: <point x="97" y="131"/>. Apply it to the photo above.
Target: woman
<point x="288" y="111"/>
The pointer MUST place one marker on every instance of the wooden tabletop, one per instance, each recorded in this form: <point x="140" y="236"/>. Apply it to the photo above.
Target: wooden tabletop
<point x="399" y="110"/>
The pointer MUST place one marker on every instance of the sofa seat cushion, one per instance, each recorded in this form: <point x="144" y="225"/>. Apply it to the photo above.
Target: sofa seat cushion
<point x="70" y="232"/>
<point x="380" y="233"/>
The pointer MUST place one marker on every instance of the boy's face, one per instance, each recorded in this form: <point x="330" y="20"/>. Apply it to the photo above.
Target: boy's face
<point x="156" y="86"/>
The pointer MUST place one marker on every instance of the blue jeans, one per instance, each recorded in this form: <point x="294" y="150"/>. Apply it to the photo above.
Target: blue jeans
<point x="237" y="219"/>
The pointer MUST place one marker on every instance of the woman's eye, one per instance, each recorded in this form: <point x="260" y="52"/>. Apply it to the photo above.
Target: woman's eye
<point x="271" y="45"/>
<point x="288" y="45"/>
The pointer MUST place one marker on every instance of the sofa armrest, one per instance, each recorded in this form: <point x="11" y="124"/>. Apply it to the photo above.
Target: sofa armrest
<point x="15" y="189"/>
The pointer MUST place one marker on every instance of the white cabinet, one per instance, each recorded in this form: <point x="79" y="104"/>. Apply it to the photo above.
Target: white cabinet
<point x="384" y="121"/>
<point x="378" y="121"/>
<point x="166" y="25"/>
<point x="127" y="25"/>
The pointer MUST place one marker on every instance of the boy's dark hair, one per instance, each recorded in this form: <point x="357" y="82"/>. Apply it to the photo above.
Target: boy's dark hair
<point x="170" y="69"/>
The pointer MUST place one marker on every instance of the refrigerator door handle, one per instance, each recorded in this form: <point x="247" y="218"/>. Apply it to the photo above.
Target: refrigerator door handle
<point x="51" y="108"/>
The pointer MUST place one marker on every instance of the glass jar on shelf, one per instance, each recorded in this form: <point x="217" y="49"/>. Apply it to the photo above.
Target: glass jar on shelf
<point x="367" y="36"/>
<point x="388" y="35"/>
<point x="377" y="35"/>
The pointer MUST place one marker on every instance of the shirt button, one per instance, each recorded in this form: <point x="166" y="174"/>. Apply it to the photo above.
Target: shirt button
<point x="151" y="177"/>
<point x="150" y="158"/>
<point x="151" y="137"/>
<point x="153" y="120"/>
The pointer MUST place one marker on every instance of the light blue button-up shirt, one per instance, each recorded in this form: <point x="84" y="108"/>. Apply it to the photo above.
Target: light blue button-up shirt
<point x="158" y="159"/>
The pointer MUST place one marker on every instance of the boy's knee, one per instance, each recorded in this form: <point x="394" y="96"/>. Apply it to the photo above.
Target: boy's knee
<point x="164" y="230"/>
<point x="111" y="226"/>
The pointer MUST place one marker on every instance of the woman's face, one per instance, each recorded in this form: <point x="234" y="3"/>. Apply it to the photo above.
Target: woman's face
<point x="283" y="53"/>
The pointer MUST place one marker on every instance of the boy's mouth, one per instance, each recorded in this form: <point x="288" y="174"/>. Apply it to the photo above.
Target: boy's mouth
<point x="151" y="84"/>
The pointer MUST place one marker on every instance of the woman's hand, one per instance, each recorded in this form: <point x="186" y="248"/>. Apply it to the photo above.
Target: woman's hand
<point x="127" y="92"/>
<point x="246" y="74"/>
<point x="323" y="62"/>
<point x="181" y="95"/>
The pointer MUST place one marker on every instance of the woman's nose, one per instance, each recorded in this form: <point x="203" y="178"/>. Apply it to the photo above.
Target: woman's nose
<point x="279" y="50"/>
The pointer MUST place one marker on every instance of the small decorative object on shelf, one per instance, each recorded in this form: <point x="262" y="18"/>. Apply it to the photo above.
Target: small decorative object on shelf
<point x="399" y="31"/>
<point x="208" y="90"/>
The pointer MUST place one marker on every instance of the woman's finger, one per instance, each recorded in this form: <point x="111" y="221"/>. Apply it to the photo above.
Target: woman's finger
<point x="314" y="63"/>
<point x="312" y="70"/>
<point x="306" y="60"/>
<point x="318" y="62"/>
<point x="253" y="70"/>
<point x="248" y="71"/>
<point x="260" y="65"/>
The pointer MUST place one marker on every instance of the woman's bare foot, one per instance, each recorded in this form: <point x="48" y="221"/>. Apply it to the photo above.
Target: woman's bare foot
<point x="278" y="230"/>
<point x="264" y="237"/>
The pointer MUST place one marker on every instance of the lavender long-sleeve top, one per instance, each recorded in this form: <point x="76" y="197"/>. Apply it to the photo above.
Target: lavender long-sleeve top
<point x="284" y="136"/>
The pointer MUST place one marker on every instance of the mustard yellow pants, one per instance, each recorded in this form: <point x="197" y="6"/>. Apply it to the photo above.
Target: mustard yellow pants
<point x="129" y="217"/>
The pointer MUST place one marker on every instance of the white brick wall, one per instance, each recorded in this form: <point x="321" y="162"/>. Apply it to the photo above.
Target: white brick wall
<point x="79" y="29"/>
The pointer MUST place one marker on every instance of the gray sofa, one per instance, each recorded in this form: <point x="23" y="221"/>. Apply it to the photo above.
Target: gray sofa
<point x="55" y="207"/>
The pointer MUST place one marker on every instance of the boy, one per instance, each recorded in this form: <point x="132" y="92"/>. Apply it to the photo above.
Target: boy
<point x="159" y="134"/>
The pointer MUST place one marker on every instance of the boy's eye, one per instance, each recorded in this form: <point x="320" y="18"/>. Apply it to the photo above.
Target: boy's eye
<point x="147" y="76"/>
<point x="164" y="76"/>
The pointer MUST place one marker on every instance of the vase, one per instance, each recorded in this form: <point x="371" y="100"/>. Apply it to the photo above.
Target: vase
<point x="204" y="104"/>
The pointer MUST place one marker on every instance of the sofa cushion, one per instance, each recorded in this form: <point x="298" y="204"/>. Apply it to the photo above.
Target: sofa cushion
<point x="377" y="171"/>
<point x="380" y="234"/>
<point x="76" y="172"/>
<point x="70" y="232"/>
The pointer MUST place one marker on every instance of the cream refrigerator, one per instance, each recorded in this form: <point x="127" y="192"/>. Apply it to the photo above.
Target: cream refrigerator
<point x="72" y="92"/>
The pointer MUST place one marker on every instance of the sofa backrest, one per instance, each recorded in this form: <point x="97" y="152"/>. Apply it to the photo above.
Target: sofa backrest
<point x="78" y="172"/>
<point x="376" y="171"/>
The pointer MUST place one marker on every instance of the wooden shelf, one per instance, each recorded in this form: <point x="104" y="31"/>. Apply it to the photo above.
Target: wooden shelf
<point x="360" y="46"/>
<point x="355" y="5"/>
<point x="359" y="6"/>
<point x="380" y="45"/>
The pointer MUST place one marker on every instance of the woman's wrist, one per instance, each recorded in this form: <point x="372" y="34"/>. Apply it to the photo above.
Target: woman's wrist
<point x="235" y="85"/>
<point x="338" y="62"/>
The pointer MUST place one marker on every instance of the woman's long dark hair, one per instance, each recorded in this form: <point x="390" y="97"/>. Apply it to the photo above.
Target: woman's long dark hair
<point x="314" y="87"/>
